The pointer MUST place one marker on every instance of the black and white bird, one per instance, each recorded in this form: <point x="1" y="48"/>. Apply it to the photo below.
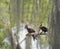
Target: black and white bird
<point x="43" y="28"/>
<point x="30" y="31"/>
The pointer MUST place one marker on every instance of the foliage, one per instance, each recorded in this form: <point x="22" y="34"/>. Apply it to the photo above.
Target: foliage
<point x="4" y="17"/>
<point x="30" y="11"/>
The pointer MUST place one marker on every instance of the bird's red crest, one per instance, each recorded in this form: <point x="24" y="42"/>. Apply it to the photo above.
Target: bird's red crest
<point x="26" y="25"/>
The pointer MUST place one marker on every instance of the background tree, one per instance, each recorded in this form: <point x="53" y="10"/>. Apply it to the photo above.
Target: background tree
<point x="55" y="23"/>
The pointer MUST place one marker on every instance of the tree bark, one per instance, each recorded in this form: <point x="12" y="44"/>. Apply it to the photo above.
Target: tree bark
<point x="28" y="42"/>
<point x="55" y="25"/>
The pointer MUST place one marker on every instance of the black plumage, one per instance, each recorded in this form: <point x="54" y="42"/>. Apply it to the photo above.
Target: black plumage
<point x="30" y="30"/>
<point x="43" y="28"/>
<point x="34" y="37"/>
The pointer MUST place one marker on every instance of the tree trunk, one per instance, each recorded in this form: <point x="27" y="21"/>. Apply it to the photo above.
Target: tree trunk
<point x="14" y="19"/>
<point x="28" y="42"/>
<point x="55" y="25"/>
<point x="12" y="39"/>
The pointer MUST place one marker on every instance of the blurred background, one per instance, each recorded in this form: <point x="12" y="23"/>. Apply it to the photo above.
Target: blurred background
<point x="14" y="14"/>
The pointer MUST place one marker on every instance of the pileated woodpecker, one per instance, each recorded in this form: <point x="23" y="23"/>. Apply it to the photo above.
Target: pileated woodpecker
<point x="30" y="30"/>
<point x="43" y="28"/>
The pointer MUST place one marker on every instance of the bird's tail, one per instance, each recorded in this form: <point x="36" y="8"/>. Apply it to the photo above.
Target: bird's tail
<point x="33" y="37"/>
